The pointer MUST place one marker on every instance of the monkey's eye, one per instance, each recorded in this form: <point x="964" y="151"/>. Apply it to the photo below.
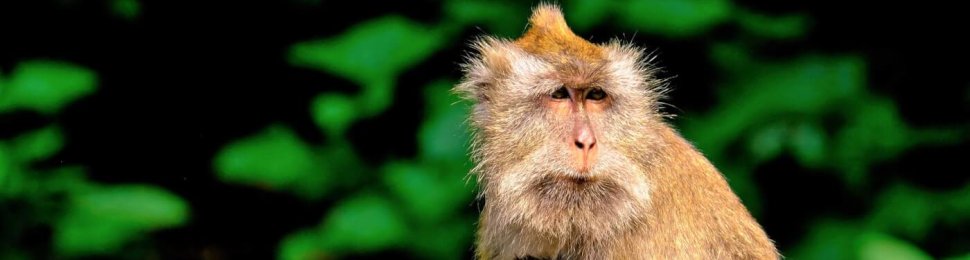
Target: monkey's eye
<point x="561" y="93"/>
<point x="595" y="94"/>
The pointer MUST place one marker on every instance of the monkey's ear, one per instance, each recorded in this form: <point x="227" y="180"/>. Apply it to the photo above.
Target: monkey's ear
<point x="489" y="64"/>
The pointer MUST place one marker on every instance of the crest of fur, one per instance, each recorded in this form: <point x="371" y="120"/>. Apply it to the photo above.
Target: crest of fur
<point x="653" y="196"/>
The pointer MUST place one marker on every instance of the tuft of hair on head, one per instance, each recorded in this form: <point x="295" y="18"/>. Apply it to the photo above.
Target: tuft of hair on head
<point x="551" y="38"/>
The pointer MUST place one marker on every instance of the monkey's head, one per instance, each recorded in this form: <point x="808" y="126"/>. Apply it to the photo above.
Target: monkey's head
<point x="563" y="129"/>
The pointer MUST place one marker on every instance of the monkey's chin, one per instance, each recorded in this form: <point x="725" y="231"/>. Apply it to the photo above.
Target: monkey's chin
<point x="564" y="205"/>
<point x="540" y="196"/>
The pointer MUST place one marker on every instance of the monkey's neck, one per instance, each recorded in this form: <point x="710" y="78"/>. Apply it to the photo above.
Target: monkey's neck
<point x="515" y="243"/>
<point x="511" y="242"/>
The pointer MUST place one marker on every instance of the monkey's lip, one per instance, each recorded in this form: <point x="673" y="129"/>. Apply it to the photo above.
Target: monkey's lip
<point x="579" y="180"/>
<point x="567" y="183"/>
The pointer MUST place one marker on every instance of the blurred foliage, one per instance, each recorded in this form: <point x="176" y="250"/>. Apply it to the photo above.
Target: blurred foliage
<point x="764" y="109"/>
<point x="904" y="211"/>
<point x="674" y="18"/>
<point x="86" y="218"/>
<point x="275" y="159"/>
<point x="101" y="219"/>
<point x="127" y="9"/>
<point x="764" y="26"/>
<point x="371" y="54"/>
<point x="418" y="196"/>
<point x="501" y="18"/>
<point x="776" y="107"/>
<point x="838" y="240"/>
<point x="45" y="86"/>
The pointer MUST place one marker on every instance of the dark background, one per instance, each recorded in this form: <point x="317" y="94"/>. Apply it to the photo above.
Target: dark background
<point x="178" y="81"/>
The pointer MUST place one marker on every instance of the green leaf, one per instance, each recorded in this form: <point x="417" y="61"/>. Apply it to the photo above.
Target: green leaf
<point x="127" y="9"/>
<point x="302" y="245"/>
<point x="443" y="135"/>
<point x="808" y="144"/>
<point x="756" y="95"/>
<point x="774" y="27"/>
<point x="371" y="54"/>
<point x="847" y="240"/>
<point x="334" y="113"/>
<point x="584" y="14"/>
<point x="501" y="18"/>
<point x="906" y="211"/>
<point x="103" y="219"/>
<point x="828" y="239"/>
<point x="957" y="209"/>
<point x="9" y="174"/>
<point x="878" y="246"/>
<point x="767" y="142"/>
<point x="874" y="132"/>
<point x="275" y="158"/>
<point x="732" y="58"/>
<point x="674" y="18"/>
<point x="363" y="223"/>
<point x="45" y="86"/>
<point x="38" y="145"/>
<point x="444" y="240"/>
<point x="428" y="194"/>
<point x="70" y="179"/>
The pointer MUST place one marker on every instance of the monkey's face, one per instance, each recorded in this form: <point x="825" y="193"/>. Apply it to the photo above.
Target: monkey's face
<point x="564" y="131"/>
<point x="560" y="146"/>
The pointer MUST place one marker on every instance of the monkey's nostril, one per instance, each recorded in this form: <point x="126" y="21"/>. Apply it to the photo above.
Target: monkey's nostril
<point x="579" y="145"/>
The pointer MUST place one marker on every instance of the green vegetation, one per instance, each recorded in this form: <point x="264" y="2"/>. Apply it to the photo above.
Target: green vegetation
<point x="86" y="218"/>
<point x="816" y="107"/>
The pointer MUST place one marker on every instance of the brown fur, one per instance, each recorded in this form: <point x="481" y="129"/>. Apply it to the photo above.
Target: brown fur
<point x="650" y="194"/>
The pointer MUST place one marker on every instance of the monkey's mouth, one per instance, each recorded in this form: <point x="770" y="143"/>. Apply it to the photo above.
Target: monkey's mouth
<point x="576" y="187"/>
<point x="577" y="180"/>
<point x="573" y="182"/>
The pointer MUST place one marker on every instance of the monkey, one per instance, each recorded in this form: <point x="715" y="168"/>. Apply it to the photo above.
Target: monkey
<point x="574" y="158"/>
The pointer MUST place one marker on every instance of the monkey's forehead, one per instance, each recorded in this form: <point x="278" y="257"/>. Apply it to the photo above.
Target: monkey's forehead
<point x="550" y="38"/>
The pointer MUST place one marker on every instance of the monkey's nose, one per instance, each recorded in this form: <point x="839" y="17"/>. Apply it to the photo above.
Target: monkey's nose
<point x="585" y="143"/>
<point x="585" y="140"/>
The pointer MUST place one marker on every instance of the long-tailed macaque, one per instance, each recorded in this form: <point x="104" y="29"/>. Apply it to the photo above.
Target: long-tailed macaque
<point x="575" y="161"/>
